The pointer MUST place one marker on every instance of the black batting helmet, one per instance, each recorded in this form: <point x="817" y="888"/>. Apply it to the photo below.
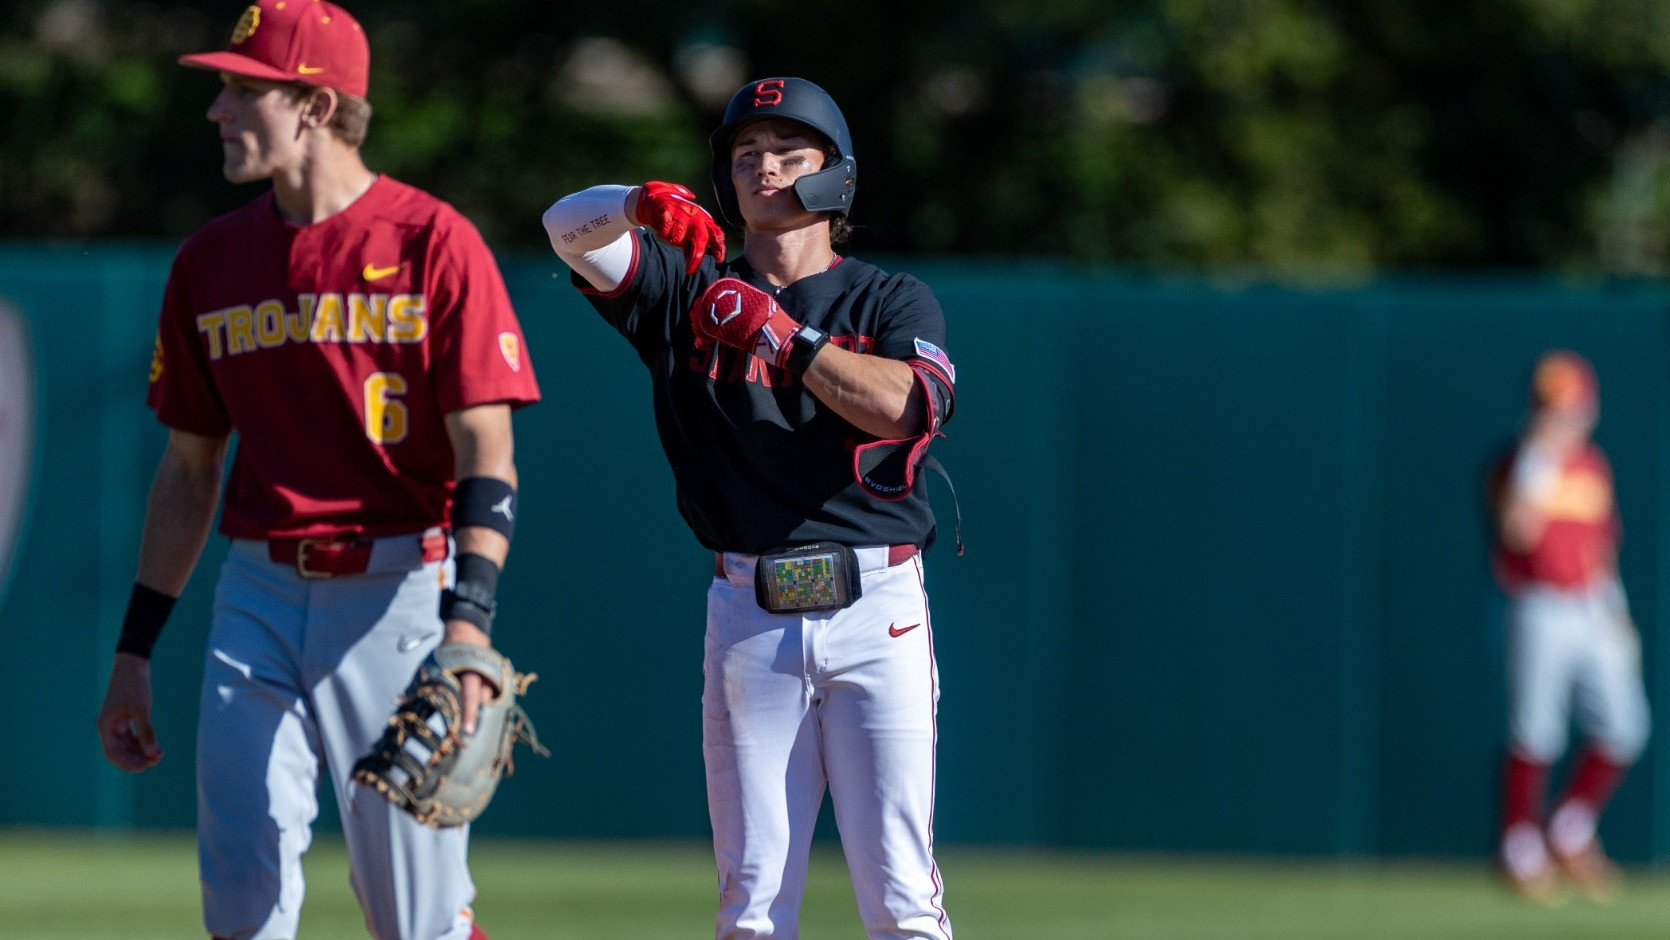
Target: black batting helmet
<point x="828" y="190"/>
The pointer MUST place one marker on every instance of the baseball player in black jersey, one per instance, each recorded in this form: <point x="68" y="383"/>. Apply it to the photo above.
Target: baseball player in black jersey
<point x="796" y="392"/>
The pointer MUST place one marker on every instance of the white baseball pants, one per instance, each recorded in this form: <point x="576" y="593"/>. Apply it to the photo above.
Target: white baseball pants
<point x="303" y="673"/>
<point x="1574" y="651"/>
<point x="845" y="699"/>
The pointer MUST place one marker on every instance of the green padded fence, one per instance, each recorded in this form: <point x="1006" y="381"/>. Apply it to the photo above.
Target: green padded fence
<point x="1225" y="586"/>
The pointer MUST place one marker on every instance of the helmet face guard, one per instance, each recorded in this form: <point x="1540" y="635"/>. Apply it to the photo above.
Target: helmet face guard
<point x="828" y="190"/>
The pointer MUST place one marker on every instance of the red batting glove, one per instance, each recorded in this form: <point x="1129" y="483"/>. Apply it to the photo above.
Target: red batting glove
<point x="741" y="316"/>
<point x="671" y="211"/>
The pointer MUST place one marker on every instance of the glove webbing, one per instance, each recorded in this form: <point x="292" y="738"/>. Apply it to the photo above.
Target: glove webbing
<point x="413" y="725"/>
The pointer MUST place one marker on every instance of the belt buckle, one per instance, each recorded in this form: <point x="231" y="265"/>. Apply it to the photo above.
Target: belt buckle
<point x="301" y="559"/>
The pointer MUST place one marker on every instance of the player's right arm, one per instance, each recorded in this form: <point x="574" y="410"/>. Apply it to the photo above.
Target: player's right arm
<point x="178" y="517"/>
<point x="591" y="230"/>
<point x="180" y="511"/>
<point x="1521" y="514"/>
<point x="1534" y="478"/>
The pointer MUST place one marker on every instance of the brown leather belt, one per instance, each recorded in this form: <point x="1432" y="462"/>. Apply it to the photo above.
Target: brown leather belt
<point x="330" y="556"/>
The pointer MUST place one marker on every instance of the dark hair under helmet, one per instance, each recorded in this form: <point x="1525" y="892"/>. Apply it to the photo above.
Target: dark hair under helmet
<point x="828" y="190"/>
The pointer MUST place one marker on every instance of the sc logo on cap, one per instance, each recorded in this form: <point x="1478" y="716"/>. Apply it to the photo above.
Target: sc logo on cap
<point x="247" y="25"/>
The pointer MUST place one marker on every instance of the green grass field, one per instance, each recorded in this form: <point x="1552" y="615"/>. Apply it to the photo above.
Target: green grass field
<point x="85" y="886"/>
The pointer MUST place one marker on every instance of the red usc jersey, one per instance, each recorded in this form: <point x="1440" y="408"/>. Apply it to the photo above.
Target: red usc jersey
<point x="334" y="350"/>
<point x="1581" y="538"/>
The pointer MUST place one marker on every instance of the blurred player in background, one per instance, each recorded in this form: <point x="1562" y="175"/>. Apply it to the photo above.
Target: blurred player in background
<point x="356" y="334"/>
<point x="1572" y="645"/>
<point x="795" y="392"/>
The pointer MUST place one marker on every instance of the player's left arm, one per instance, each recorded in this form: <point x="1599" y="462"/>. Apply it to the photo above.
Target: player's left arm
<point x="483" y="517"/>
<point x="878" y="396"/>
<point x="876" y="392"/>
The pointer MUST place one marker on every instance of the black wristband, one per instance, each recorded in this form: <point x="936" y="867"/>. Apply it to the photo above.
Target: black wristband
<point x="803" y="347"/>
<point x="484" y="501"/>
<point x="473" y="596"/>
<point x="148" y="610"/>
<point x="454" y="607"/>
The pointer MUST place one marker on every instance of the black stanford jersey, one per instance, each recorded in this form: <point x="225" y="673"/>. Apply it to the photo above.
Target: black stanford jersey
<point x="758" y="461"/>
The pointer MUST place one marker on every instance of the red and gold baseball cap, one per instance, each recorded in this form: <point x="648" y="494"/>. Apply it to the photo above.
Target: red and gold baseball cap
<point x="295" y="41"/>
<point x="1564" y="381"/>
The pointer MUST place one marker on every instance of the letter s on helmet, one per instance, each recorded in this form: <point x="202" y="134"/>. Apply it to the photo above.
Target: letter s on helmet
<point x="828" y="190"/>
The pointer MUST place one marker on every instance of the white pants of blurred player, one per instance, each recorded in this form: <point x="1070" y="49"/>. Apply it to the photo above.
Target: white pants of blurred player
<point x="1575" y="652"/>
<point x="845" y="699"/>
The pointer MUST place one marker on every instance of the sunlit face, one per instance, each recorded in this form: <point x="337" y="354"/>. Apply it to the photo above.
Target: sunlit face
<point x="767" y="156"/>
<point x="260" y="127"/>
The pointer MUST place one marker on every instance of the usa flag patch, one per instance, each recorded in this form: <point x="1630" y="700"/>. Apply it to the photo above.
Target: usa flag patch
<point x="933" y="353"/>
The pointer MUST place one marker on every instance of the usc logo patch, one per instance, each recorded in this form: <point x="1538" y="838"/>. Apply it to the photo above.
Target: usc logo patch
<point x="247" y="24"/>
<point x="510" y="347"/>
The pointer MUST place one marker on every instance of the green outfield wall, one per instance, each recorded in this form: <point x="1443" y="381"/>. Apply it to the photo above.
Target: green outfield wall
<point x="1225" y="587"/>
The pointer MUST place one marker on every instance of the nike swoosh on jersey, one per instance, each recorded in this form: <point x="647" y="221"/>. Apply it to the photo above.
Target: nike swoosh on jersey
<point x="896" y="632"/>
<point x="409" y="643"/>
<point x="374" y="273"/>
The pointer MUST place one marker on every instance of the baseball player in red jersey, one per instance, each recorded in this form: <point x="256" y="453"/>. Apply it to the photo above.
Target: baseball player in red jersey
<point x="795" y="391"/>
<point x="356" y="334"/>
<point x="1572" y="642"/>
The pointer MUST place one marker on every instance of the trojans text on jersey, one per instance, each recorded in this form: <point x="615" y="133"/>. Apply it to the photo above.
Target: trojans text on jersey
<point x="322" y="318"/>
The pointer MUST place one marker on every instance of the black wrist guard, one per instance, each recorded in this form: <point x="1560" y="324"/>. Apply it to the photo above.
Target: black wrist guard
<point x="148" y="610"/>
<point x="473" y="596"/>
<point x="804" y="346"/>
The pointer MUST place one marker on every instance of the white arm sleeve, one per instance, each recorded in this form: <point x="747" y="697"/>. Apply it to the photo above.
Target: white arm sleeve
<point x="590" y="232"/>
